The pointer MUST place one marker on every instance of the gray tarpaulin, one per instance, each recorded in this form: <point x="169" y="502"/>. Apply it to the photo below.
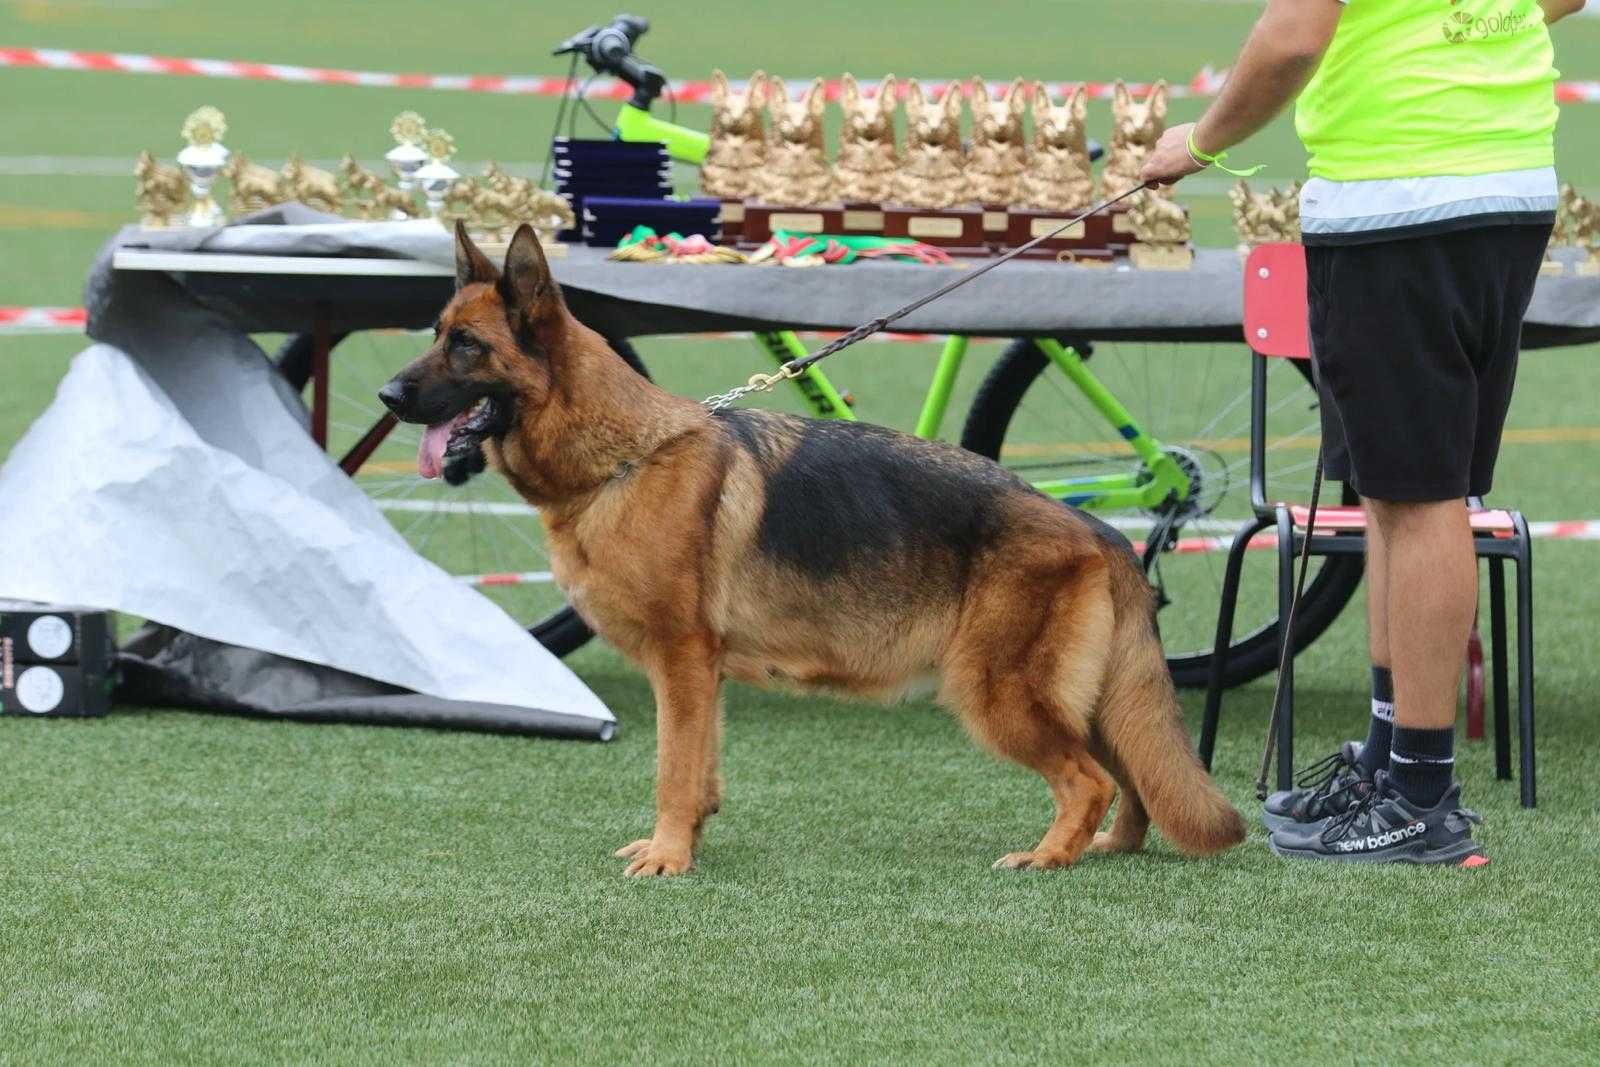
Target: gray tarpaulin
<point x="172" y="478"/>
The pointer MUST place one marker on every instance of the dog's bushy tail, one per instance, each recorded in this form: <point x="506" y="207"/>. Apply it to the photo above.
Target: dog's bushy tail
<point x="1140" y="720"/>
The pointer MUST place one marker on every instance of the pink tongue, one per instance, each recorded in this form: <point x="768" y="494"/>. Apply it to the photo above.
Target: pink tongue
<point x="430" y="453"/>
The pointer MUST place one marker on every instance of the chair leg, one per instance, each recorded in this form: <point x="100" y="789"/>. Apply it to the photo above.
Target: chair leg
<point x="1219" y="650"/>
<point x="1502" y="698"/>
<point x="1285" y="708"/>
<point x="1525" y="669"/>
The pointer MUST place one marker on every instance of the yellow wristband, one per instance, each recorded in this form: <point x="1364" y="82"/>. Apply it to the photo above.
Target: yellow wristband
<point x="1217" y="160"/>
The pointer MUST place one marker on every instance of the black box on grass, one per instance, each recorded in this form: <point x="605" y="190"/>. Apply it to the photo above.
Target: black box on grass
<point x="55" y="660"/>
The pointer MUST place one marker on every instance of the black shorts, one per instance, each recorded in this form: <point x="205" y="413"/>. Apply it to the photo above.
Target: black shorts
<point x="1414" y="343"/>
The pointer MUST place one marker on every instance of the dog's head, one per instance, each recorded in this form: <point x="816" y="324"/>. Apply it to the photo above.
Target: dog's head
<point x="488" y="367"/>
<point x="997" y="122"/>
<point x="1138" y="122"/>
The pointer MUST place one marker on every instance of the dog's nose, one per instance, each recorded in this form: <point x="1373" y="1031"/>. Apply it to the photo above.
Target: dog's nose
<point x="394" y="394"/>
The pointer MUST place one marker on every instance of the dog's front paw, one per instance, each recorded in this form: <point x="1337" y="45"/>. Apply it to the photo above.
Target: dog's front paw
<point x="654" y="860"/>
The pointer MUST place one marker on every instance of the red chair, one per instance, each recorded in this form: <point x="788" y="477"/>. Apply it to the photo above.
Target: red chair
<point x="1276" y="327"/>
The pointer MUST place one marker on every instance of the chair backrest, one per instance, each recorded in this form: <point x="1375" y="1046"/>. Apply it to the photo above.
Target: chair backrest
<point x="1276" y="326"/>
<point x="1275" y="318"/>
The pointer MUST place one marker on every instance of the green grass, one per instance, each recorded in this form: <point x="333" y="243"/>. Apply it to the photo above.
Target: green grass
<point x="181" y="887"/>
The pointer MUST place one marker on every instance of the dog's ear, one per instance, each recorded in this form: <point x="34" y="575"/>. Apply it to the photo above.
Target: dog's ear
<point x="719" y="89"/>
<point x="980" y="91"/>
<point x="471" y="264"/>
<point x="1120" y="98"/>
<point x="888" y="93"/>
<point x="1158" y="99"/>
<point x="914" y="101"/>
<point x="1080" y="102"/>
<point x="1017" y="97"/>
<point x="816" y="99"/>
<point x="849" y="93"/>
<point x="526" y="285"/>
<point x="952" y="100"/>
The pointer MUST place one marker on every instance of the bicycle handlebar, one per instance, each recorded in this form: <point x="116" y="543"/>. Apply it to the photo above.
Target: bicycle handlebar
<point x="609" y="50"/>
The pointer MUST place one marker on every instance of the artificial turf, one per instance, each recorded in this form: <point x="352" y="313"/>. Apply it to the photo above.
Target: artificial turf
<point x="177" y="887"/>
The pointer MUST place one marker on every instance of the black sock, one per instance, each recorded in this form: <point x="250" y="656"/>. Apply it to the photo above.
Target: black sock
<point x="1422" y="763"/>
<point x="1375" y="753"/>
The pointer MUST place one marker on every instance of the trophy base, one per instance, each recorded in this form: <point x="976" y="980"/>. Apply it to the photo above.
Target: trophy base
<point x="959" y="231"/>
<point x="496" y="246"/>
<point x="1088" y="240"/>
<point x="204" y="215"/>
<point x="1148" y="256"/>
<point x="730" y="222"/>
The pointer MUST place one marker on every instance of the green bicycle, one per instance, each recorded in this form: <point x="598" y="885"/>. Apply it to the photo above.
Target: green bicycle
<point x="1152" y="441"/>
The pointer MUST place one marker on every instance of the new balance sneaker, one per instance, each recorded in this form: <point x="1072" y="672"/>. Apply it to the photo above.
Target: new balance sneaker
<point x="1327" y="787"/>
<point x="1385" y="827"/>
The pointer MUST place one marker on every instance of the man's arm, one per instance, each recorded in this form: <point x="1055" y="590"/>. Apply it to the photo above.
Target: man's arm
<point x="1556" y="10"/>
<point x="1278" y="58"/>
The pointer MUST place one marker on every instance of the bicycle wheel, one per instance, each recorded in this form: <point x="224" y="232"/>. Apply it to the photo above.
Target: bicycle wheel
<point x="1195" y="399"/>
<point x="482" y="532"/>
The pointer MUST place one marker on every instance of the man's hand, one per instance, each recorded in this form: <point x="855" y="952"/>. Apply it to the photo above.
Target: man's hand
<point x="1170" y="160"/>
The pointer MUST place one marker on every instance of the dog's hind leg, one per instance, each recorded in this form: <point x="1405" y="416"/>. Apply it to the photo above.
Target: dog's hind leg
<point x="1132" y="822"/>
<point x="685" y="681"/>
<point x="1025" y="674"/>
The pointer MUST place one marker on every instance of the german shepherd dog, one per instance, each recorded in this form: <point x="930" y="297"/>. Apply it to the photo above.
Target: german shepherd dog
<point x="832" y="555"/>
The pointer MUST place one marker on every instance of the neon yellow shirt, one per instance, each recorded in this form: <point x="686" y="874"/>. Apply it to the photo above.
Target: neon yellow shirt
<point x="1419" y="88"/>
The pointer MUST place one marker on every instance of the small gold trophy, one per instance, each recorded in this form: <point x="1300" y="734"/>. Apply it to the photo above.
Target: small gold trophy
<point x="369" y="197"/>
<point x="437" y="176"/>
<point x="999" y="155"/>
<point x="253" y="186"/>
<point x="312" y="186"/>
<point x="202" y="160"/>
<point x="159" y="191"/>
<point x="407" y="157"/>
<point x="1161" y="233"/>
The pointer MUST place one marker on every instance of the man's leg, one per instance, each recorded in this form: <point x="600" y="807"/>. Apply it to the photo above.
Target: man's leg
<point x="1375" y="752"/>
<point x="1432" y="592"/>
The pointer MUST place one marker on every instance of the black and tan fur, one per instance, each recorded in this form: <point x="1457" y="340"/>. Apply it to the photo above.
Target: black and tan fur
<point x="771" y="549"/>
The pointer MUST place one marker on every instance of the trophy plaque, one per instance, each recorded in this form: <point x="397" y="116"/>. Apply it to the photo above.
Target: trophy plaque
<point x="957" y="230"/>
<point x="1089" y="240"/>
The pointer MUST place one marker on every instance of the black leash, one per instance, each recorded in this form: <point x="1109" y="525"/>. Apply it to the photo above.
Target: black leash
<point x="794" y="367"/>
<point x="1288" y="630"/>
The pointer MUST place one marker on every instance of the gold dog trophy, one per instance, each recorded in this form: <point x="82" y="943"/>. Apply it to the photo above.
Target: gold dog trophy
<point x="737" y="153"/>
<point x="160" y="192"/>
<point x="1058" y="177"/>
<point x="1265" y="218"/>
<point x="1161" y="233"/>
<point x="869" y="159"/>
<point x="934" y="174"/>
<point x="998" y="158"/>
<point x="1578" y="219"/>
<point x="494" y="205"/>
<point x="797" y="172"/>
<point x="1058" y="183"/>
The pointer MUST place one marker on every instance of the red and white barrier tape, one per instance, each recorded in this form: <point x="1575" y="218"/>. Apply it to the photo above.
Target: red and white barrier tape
<point x="71" y="320"/>
<point x="1205" y="83"/>
<point x="42" y="320"/>
<point x="1572" y="530"/>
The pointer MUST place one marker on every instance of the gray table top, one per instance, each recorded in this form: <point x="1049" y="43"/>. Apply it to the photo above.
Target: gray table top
<point x="1024" y="298"/>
